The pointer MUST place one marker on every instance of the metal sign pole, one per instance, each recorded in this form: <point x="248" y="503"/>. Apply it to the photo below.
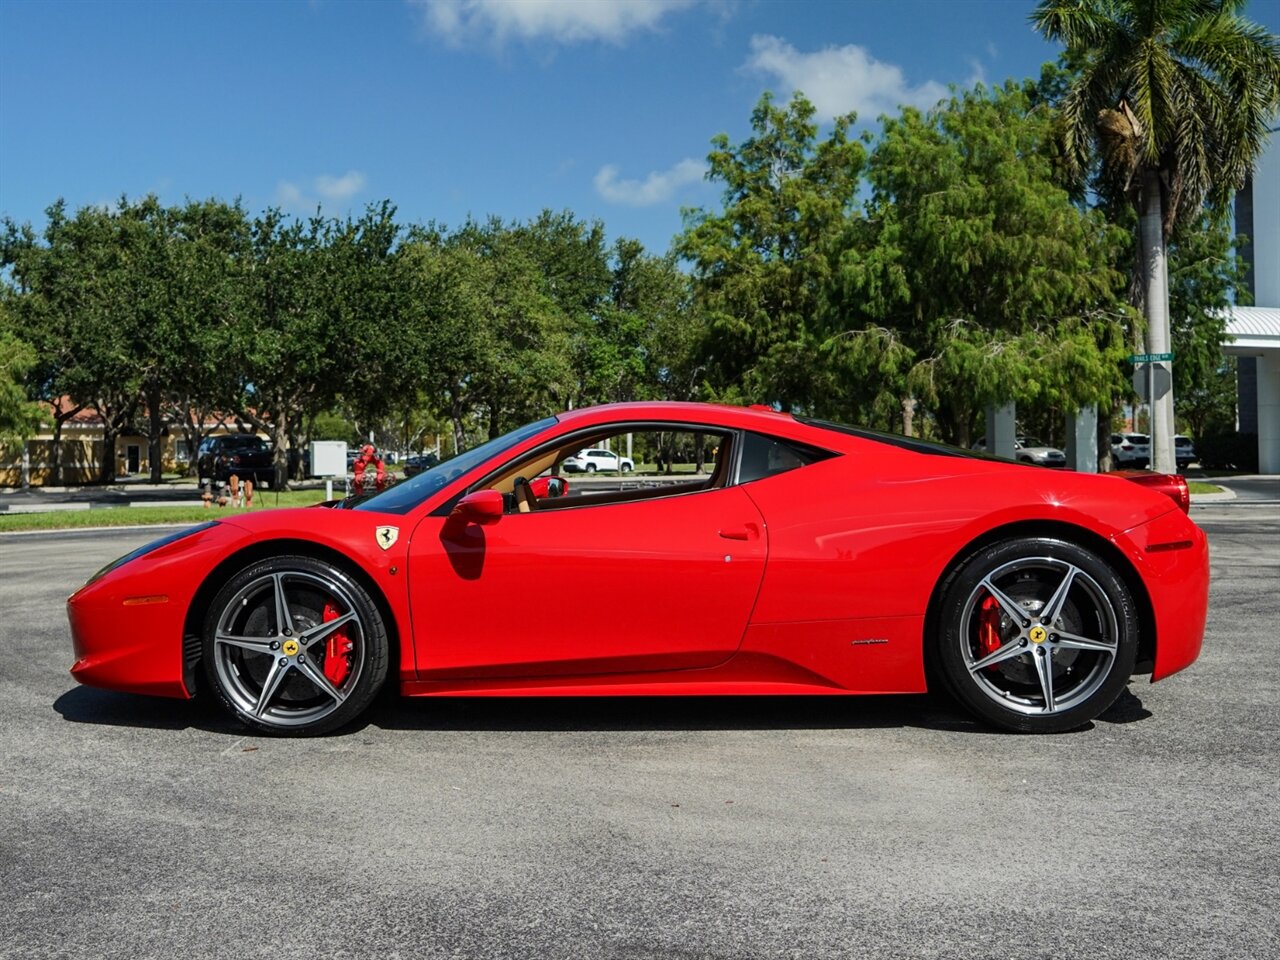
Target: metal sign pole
<point x="1151" y="410"/>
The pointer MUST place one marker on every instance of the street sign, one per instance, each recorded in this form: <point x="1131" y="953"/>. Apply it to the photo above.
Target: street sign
<point x="1151" y="358"/>
<point x="1143" y="376"/>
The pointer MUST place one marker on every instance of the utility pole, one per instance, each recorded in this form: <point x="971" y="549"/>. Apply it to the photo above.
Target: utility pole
<point x="1158" y="340"/>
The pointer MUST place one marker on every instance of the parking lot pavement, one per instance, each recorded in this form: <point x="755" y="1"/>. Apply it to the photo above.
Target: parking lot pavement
<point x="1259" y="488"/>
<point x="703" y="828"/>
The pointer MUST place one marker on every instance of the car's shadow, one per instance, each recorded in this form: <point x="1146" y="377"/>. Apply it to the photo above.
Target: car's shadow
<point x="539" y="714"/>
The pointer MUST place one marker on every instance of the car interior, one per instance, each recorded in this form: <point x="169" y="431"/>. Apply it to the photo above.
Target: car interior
<point x="515" y="481"/>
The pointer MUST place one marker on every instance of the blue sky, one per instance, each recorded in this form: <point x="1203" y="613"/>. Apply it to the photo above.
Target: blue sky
<point x="453" y="108"/>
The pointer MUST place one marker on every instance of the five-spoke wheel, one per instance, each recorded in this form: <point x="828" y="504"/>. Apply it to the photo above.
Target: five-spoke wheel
<point x="294" y="645"/>
<point x="1036" y="634"/>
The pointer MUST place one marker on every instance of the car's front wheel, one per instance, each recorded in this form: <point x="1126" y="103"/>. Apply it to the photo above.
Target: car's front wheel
<point x="1036" y="634"/>
<point x="295" y="646"/>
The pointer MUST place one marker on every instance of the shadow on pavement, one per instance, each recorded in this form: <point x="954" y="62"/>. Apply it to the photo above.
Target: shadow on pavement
<point x="553" y="714"/>
<point x="1127" y="709"/>
<point x="108" y="708"/>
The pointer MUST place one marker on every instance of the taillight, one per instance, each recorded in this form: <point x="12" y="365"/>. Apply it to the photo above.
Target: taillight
<point x="1171" y="485"/>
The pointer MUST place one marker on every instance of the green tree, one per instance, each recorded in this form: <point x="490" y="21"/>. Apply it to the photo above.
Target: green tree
<point x="495" y="347"/>
<point x="289" y="355"/>
<point x="211" y="254"/>
<point x="1172" y="104"/>
<point x="47" y="287"/>
<point x="762" y="266"/>
<point x="1204" y="273"/>
<point x="974" y="279"/>
<point x="19" y="417"/>
<point x="654" y="333"/>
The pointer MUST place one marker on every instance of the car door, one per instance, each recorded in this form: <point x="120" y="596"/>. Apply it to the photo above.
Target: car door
<point x="652" y="584"/>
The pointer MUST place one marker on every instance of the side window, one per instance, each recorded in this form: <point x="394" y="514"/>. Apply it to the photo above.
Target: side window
<point x="764" y="456"/>
<point x="631" y="462"/>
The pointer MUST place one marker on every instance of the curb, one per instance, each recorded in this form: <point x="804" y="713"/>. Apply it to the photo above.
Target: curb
<point x="1226" y="494"/>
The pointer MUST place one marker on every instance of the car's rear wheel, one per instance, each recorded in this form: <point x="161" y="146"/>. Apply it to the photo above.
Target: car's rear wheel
<point x="1036" y="634"/>
<point x="295" y="646"/>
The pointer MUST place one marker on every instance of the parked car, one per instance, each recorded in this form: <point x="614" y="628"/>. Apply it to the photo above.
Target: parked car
<point x="243" y="454"/>
<point x="415" y="465"/>
<point x="1131" y="451"/>
<point x="1184" y="451"/>
<point x="845" y="567"/>
<point x="590" y="461"/>
<point x="1031" y="450"/>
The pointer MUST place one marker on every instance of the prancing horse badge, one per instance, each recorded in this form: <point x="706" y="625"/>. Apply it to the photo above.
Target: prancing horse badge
<point x="386" y="536"/>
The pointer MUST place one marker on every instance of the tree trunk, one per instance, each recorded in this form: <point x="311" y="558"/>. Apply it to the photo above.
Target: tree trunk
<point x="294" y="433"/>
<point x="155" y="413"/>
<point x="1105" y="462"/>
<point x="55" y="479"/>
<point x="113" y="425"/>
<point x="193" y="432"/>
<point x="60" y="417"/>
<point x="455" y="417"/>
<point x="1151" y="232"/>
<point x="280" y="444"/>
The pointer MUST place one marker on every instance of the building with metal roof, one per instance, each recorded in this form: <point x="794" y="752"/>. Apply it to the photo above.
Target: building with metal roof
<point x="1256" y="330"/>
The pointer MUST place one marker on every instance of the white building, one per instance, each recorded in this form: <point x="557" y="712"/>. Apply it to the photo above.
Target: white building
<point x="1257" y="329"/>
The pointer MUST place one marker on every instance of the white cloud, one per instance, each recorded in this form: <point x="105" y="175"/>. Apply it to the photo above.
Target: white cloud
<point x="655" y="188"/>
<point x="340" y="188"/>
<point x="305" y="197"/>
<point x="290" y="196"/>
<point x="978" y="73"/>
<point x="563" y="21"/>
<point x="840" y="79"/>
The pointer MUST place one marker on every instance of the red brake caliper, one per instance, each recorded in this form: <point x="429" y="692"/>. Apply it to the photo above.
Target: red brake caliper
<point x="989" y="627"/>
<point x="337" y="650"/>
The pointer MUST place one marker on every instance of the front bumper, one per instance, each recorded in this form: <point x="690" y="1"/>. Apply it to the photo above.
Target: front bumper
<point x="127" y="627"/>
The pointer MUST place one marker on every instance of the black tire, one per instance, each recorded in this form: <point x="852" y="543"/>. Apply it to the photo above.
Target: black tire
<point x="1047" y="670"/>
<point x="271" y="679"/>
<point x="591" y="468"/>
<point x="626" y="468"/>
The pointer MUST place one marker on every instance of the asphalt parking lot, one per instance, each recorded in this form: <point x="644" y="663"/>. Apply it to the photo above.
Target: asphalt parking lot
<point x="704" y="828"/>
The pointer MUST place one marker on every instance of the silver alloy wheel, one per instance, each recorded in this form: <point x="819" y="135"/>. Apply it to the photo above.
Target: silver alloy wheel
<point x="1055" y="631"/>
<point x="269" y="647"/>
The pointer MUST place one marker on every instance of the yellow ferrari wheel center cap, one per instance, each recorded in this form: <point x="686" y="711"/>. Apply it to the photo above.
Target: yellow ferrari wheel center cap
<point x="290" y="647"/>
<point x="1037" y="635"/>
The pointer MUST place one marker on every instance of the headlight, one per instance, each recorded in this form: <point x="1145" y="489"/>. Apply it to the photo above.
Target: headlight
<point x="149" y="547"/>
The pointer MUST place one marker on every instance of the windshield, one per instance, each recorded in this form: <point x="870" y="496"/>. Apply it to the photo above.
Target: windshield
<point x="403" y="497"/>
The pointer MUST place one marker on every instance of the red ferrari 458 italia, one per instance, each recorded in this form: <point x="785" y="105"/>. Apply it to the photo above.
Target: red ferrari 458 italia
<point x="771" y="554"/>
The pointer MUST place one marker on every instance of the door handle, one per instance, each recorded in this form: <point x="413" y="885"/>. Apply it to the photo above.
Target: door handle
<point x="748" y="531"/>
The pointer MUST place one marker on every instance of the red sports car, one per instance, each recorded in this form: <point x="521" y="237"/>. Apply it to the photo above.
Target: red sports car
<point x="772" y="554"/>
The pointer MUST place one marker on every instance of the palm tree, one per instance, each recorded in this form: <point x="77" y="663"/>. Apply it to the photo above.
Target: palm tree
<point x="1173" y="101"/>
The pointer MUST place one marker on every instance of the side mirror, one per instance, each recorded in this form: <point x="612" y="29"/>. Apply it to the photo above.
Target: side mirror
<point x="480" y="506"/>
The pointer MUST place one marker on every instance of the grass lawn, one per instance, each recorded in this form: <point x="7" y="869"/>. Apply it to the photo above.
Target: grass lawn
<point x="137" y="516"/>
<point x="1199" y="486"/>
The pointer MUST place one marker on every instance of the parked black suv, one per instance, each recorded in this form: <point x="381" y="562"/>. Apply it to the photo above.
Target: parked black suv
<point x="243" y="454"/>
